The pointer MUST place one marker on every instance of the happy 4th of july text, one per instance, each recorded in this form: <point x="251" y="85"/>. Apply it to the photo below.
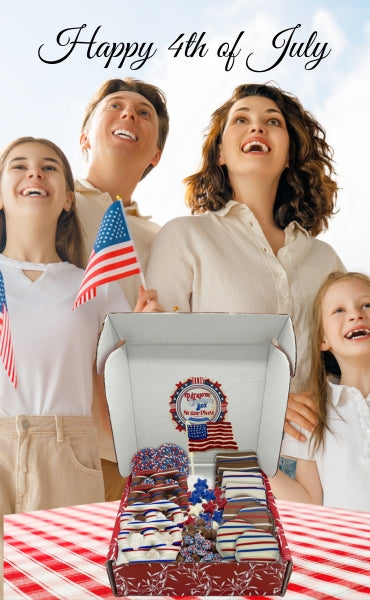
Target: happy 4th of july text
<point x="134" y="55"/>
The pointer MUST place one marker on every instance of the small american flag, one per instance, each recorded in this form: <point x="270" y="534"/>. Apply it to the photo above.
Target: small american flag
<point x="211" y="435"/>
<point x="113" y="256"/>
<point x="6" y="346"/>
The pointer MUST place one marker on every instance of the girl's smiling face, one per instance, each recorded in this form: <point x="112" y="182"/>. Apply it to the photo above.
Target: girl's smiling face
<point x="346" y="319"/>
<point x="33" y="181"/>
<point x="255" y="139"/>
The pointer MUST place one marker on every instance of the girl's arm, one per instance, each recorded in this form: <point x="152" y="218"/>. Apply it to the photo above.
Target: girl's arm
<point x="306" y="487"/>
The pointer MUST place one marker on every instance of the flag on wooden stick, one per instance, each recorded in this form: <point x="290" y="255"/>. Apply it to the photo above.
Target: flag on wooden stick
<point x="113" y="256"/>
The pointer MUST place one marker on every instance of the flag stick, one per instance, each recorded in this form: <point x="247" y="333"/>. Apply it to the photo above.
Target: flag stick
<point x="118" y="197"/>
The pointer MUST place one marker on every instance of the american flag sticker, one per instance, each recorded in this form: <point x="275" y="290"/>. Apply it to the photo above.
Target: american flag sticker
<point x="209" y="436"/>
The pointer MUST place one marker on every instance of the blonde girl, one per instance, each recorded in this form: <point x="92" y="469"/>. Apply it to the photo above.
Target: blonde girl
<point x="333" y="467"/>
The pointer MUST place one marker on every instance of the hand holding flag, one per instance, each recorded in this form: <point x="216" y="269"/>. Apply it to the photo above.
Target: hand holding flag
<point x="113" y="256"/>
<point x="6" y="346"/>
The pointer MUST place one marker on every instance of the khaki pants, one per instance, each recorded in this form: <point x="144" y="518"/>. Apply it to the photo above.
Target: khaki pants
<point x="48" y="462"/>
<point x="114" y="483"/>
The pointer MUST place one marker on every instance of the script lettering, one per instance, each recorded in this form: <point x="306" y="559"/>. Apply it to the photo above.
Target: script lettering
<point x="70" y="39"/>
<point x="292" y="49"/>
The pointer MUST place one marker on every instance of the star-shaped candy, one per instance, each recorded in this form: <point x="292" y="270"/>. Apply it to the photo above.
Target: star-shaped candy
<point x="209" y="495"/>
<point x="195" y="497"/>
<point x="190" y="520"/>
<point x="217" y="516"/>
<point x="221" y="502"/>
<point x="201" y="485"/>
<point x="209" y="507"/>
<point x="195" y="510"/>
<point x="207" y="517"/>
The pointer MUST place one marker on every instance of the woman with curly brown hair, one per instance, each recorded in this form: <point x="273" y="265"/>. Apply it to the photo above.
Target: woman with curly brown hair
<point x="264" y="191"/>
<point x="306" y="190"/>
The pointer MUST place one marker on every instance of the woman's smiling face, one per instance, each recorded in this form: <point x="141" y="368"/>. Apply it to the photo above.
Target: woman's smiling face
<point x="255" y="139"/>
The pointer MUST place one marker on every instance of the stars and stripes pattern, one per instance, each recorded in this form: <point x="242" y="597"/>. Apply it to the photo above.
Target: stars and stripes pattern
<point x="113" y="256"/>
<point x="208" y="436"/>
<point x="6" y="345"/>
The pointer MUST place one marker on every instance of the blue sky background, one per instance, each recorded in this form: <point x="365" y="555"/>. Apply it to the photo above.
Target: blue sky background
<point x="48" y="99"/>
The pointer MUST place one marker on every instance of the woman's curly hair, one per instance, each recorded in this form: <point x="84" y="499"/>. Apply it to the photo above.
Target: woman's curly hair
<point x="307" y="189"/>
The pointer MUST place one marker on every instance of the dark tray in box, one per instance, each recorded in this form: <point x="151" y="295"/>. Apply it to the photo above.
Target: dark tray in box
<point x="252" y="578"/>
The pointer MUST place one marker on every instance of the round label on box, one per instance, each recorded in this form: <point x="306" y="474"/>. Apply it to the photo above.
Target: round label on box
<point x="197" y="401"/>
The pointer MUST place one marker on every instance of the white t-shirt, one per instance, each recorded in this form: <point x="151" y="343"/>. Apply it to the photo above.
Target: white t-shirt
<point x="221" y="262"/>
<point x="344" y="462"/>
<point x="54" y="346"/>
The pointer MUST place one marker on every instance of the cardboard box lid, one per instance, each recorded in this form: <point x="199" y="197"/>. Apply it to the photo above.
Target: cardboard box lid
<point x="247" y="359"/>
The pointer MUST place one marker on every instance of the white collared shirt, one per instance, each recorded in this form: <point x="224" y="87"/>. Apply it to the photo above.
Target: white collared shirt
<point x="344" y="462"/>
<point x="221" y="262"/>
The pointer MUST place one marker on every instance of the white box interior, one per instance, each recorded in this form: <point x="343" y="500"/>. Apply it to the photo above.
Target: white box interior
<point x="252" y="357"/>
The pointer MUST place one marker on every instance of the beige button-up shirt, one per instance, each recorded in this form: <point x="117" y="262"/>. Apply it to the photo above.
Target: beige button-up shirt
<point x="221" y="262"/>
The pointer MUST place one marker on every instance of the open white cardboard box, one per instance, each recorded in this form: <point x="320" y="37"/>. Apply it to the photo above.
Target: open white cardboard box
<point x="251" y="358"/>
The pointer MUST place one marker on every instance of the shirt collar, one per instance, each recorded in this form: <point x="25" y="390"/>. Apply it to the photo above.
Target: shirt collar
<point x="134" y="211"/>
<point x="336" y="390"/>
<point x="84" y="186"/>
<point x="291" y="230"/>
<point x="339" y="391"/>
<point x="227" y="208"/>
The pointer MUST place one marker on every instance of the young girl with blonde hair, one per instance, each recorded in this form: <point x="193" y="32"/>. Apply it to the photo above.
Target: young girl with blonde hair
<point x="333" y="467"/>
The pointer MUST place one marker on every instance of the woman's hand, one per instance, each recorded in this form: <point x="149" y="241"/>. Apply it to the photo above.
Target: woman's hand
<point x="147" y="301"/>
<point x="301" y="411"/>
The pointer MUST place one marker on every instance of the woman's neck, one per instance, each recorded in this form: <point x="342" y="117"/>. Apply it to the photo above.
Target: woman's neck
<point x="258" y="194"/>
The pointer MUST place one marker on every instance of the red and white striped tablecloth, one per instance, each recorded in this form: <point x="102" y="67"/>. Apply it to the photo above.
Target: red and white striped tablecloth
<point x="60" y="554"/>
